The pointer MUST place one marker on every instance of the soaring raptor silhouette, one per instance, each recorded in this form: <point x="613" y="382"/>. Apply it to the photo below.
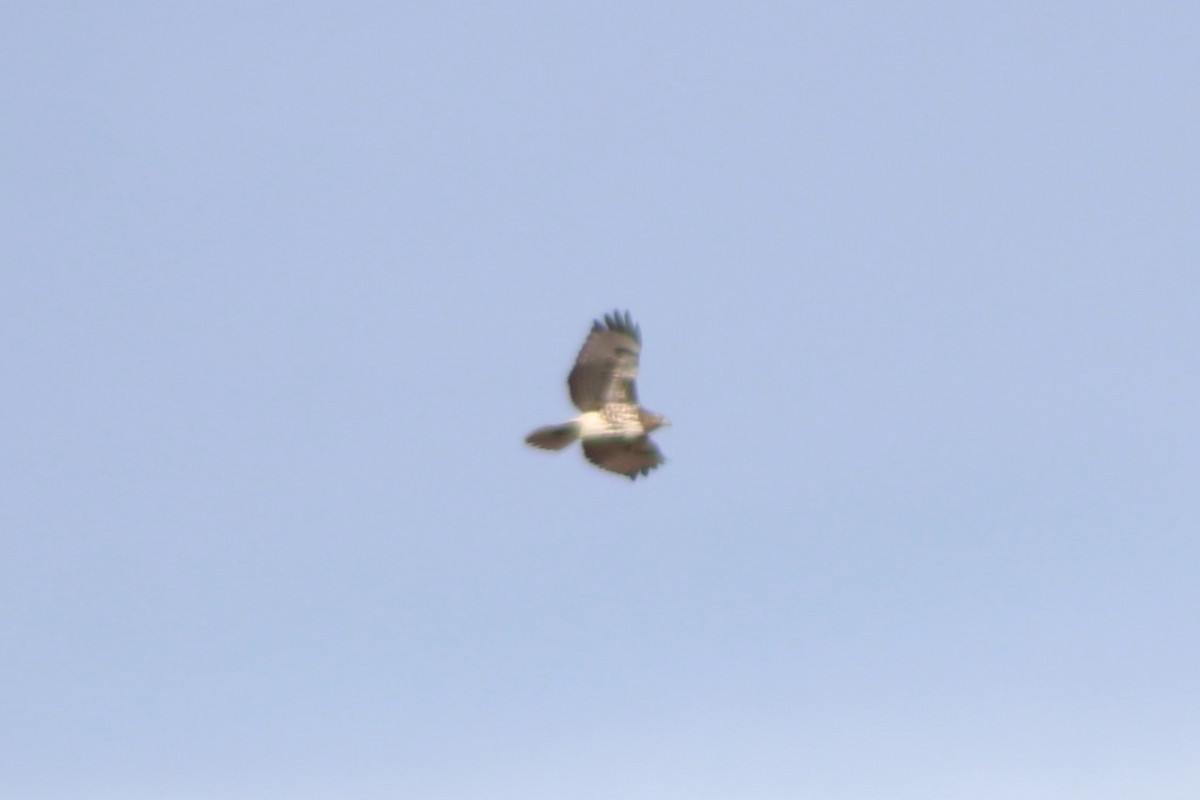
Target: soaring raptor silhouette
<point x="612" y="426"/>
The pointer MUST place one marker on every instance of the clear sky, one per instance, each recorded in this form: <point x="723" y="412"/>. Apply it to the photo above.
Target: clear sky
<point x="283" y="286"/>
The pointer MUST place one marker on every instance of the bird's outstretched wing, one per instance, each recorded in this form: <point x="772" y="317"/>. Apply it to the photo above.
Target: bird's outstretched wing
<point x="606" y="368"/>
<point x="628" y="457"/>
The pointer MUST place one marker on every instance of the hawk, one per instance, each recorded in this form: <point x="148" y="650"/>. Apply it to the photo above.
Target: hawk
<point x="612" y="426"/>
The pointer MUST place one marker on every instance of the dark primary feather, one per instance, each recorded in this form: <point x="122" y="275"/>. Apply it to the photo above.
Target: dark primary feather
<point x="628" y="457"/>
<point x="606" y="368"/>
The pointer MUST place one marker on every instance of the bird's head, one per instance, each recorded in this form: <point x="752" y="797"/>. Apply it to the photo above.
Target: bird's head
<point x="651" y="421"/>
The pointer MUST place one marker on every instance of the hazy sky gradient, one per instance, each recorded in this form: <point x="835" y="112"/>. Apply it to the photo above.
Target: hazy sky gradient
<point x="285" y="284"/>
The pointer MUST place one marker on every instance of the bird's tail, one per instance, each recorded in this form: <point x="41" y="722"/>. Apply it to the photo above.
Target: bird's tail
<point x="554" y="437"/>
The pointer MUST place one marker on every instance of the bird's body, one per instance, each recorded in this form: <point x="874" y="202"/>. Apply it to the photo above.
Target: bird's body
<point x="612" y="427"/>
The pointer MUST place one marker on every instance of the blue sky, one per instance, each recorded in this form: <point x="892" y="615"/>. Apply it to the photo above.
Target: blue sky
<point x="284" y="286"/>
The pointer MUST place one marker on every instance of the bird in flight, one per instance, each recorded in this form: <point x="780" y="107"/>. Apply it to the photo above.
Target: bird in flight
<point x="613" y="428"/>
